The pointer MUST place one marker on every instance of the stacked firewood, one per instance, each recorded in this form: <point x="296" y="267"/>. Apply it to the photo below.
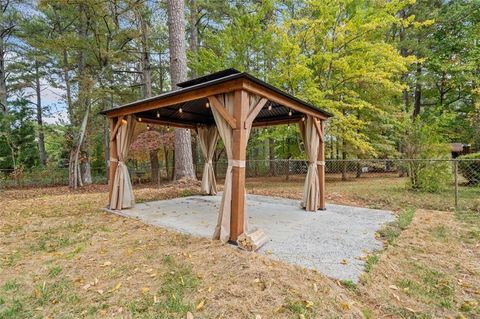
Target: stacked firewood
<point x="252" y="241"/>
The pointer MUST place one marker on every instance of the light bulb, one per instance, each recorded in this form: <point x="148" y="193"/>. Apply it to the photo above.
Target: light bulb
<point x="207" y="105"/>
<point x="270" y="107"/>
<point x="303" y="118"/>
<point x="290" y="113"/>
<point x="158" y="114"/>
<point x="139" y="119"/>
<point x="180" y="110"/>
<point x="148" y="127"/>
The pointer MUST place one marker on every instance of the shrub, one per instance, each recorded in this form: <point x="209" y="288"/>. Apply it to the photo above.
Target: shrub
<point x="423" y="142"/>
<point x="470" y="168"/>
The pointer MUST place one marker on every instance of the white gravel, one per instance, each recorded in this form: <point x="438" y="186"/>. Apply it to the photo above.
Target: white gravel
<point x="321" y="240"/>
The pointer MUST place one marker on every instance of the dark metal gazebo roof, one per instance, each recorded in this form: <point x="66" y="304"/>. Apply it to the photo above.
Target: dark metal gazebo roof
<point x="194" y="110"/>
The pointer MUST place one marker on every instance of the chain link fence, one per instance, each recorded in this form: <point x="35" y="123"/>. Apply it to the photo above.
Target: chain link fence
<point x="387" y="183"/>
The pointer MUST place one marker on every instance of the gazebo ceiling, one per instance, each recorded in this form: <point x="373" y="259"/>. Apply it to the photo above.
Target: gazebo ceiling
<point x="188" y="106"/>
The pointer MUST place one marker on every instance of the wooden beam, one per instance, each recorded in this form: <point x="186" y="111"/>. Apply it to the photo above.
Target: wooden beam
<point x="319" y="129"/>
<point x="254" y="112"/>
<point x="174" y="99"/>
<point x="237" y="226"/>
<point x="281" y="121"/>
<point x="215" y="103"/>
<point x="113" y="156"/>
<point x="280" y="99"/>
<point x="115" y="129"/>
<point x="321" y="169"/>
<point x="168" y="123"/>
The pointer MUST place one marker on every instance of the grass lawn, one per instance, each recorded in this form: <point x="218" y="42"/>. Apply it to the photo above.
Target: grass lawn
<point x="383" y="192"/>
<point x="62" y="257"/>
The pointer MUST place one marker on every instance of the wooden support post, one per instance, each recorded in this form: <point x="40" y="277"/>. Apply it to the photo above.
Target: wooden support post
<point x="240" y="114"/>
<point x="321" y="168"/>
<point x="113" y="155"/>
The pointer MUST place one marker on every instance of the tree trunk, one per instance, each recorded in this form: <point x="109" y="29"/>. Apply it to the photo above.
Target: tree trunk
<point x="418" y="93"/>
<point x="76" y="172"/>
<point x="3" y="79"/>
<point x="155" y="167"/>
<point x="80" y="168"/>
<point x="193" y="21"/>
<point x="41" y="136"/>
<point x="178" y="73"/>
<point x="167" y="165"/>
<point x="68" y="91"/>
<point x="147" y="83"/>
<point x="344" y="161"/>
<point x="271" y="157"/>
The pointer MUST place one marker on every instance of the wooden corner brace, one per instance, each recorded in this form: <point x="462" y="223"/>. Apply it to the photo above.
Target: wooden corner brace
<point x="254" y="112"/>
<point x="215" y="103"/>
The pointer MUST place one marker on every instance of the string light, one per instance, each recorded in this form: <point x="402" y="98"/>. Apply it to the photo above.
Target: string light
<point x="270" y="107"/>
<point x="303" y="118"/>
<point x="180" y="110"/>
<point x="158" y="114"/>
<point x="139" y="119"/>
<point x="207" y="105"/>
<point x="290" y="113"/>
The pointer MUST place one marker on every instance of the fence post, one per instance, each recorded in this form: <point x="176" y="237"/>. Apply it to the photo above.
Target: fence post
<point x="287" y="177"/>
<point x="455" y="171"/>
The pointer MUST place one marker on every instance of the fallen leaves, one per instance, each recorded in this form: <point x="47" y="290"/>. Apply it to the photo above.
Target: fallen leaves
<point x="200" y="305"/>
<point x="117" y="286"/>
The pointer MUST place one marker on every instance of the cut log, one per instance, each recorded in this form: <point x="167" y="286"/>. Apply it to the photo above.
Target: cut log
<point x="252" y="241"/>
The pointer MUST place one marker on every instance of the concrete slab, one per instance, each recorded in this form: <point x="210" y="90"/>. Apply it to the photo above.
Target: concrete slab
<point x="319" y="240"/>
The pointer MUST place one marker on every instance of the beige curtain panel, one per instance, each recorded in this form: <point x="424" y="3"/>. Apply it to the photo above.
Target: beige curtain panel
<point x="122" y="193"/>
<point x="311" y="193"/>
<point x="222" y="230"/>
<point x="208" y="137"/>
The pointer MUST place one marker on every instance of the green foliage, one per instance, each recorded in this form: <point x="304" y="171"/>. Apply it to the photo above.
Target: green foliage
<point x="422" y="143"/>
<point x="17" y="138"/>
<point x="365" y="61"/>
<point x="469" y="166"/>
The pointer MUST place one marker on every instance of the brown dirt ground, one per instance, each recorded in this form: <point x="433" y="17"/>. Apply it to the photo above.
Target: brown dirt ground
<point x="62" y="257"/>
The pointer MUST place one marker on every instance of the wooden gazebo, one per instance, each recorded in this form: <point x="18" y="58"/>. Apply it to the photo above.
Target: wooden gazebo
<point x="227" y="103"/>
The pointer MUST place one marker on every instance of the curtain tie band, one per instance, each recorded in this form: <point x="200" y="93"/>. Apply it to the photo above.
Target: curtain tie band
<point x="321" y="163"/>
<point x="209" y="162"/>
<point x="114" y="160"/>
<point x="236" y="163"/>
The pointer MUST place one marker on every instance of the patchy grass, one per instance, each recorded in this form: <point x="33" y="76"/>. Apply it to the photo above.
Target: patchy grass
<point x="429" y="272"/>
<point x="392" y="230"/>
<point x="371" y="261"/>
<point x="388" y="192"/>
<point x="73" y="260"/>
<point x="62" y="257"/>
